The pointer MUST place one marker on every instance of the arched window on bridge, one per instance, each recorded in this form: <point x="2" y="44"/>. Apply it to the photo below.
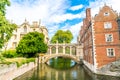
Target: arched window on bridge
<point x="67" y="50"/>
<point x="60" y="49"/>
<point x="53" y="50"/>
<point x="73" y="50"/>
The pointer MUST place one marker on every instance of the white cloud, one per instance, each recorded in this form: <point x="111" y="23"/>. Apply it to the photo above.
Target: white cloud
<point x="76" y="7"/>
<point x="42" y="9"/>
<point x="64" y="17"/>
<point x="98" y="4"/>
<point x="50" y="12"/>
<point x="75" y="30"/>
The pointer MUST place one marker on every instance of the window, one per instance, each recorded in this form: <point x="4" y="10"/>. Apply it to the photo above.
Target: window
<point x="109" y="37"/>
<point x="14" y="45"/>
<point x="110" y="52"/>
<point x="15" y="36"/>
<point x="107" y="25"/>
<point x="106" y="14"/>
<point x="34" y="29"/>
<point x="25" y="29"/>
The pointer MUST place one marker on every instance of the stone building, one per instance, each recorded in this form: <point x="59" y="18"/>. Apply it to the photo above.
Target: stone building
<point x="24" y="29"/>
<point x="100" y="37"/>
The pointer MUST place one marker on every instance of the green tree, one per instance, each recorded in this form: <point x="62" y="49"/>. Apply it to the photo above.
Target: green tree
<point x="31" y="44"/>
<point x="62" y="36"/>
<point x="6" y="28"/>
<point x="3" y="4"/>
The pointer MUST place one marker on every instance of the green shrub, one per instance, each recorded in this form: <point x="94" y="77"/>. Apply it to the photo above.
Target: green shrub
<point x="30" y="60"/>
<point x="9" y="53"/>
<point x="2" y="59"/>
<point x="31" y="44"/>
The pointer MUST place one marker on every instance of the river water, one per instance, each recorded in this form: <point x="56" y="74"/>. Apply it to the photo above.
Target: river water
<point x="73" y="72"/>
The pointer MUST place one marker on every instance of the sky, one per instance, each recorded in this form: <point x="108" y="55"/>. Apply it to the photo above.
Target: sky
<point x="56" y="14"/>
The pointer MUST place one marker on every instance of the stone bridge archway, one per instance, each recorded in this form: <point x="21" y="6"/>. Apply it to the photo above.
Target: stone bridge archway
<point x="46" y="58"/>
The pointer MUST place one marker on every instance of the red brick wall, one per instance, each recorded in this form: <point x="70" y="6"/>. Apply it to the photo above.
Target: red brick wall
<point x="100" y="41"/>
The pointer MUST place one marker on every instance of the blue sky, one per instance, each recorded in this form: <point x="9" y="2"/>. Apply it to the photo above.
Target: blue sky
<point x="56" y="14"/>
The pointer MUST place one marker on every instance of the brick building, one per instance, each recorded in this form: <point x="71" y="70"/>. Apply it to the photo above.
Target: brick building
<point x="100" y="37"/>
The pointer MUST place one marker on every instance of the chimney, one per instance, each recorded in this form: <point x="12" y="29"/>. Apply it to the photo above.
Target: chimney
<point x="88" y="14"/>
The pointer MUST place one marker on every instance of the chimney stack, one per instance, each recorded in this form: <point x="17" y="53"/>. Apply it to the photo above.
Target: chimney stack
<point x="88" y="14"/>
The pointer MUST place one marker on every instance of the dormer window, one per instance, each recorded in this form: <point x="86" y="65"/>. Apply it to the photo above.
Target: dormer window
<point x="106" y="14"/>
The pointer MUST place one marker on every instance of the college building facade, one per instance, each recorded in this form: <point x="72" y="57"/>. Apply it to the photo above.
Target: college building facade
<point x="23" y="29"/>
<point x="100" y="38"/>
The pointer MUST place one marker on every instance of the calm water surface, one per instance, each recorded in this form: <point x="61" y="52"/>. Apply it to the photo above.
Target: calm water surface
<point x="51" y="72"/>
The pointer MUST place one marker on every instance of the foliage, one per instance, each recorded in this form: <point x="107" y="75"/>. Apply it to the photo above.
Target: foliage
<point x="62" y="36"/>
<point x="1" y="58"/>
<point x="9" y="54"/>
<point x="6" y="28"/>
<point x="3" y="4"/>
<point x="27" y="60"/>
<point x="18" y="61"/>
<point x="31" y="44"/>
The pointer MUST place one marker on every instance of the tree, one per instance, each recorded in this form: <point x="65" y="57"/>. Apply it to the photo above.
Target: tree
<point x="6" y="28"/>
<point x="31" y="44"/>
<point x="62" y="36"/>
<point x="3" y="4"/>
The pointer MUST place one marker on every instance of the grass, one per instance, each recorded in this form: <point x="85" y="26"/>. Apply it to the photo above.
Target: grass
<point x="19" y="61"/>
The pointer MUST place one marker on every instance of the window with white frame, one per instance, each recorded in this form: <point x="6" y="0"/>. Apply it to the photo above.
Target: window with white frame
<point x="109" y="37"/>
<point x="110" y="52"/>
<point x="107" y="25"/>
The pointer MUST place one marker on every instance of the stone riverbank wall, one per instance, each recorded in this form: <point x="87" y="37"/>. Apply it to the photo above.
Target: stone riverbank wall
<point x="111" y="69"/>
<point x="9" y="72"/>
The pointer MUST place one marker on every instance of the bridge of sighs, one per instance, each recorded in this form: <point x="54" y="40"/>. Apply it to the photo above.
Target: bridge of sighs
<point x="72" y="51"/>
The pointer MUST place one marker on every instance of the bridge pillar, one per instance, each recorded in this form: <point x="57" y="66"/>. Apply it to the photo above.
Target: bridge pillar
<point x="56" y="49"/>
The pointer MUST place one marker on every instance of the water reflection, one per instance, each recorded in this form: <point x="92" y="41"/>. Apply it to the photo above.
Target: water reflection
<point x="45" y="72"/>
<point x="61" y="63"/>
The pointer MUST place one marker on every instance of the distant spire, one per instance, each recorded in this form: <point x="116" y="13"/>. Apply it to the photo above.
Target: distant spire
<point x="25" y="20"/>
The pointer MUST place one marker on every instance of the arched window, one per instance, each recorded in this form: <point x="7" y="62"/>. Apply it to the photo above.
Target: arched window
<point x="60" y="49"/>
<point x="73" y="50"/>
<point x="67" y="50"/>
<point x="25" y="29"/>
<point x="53" y="49"/>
